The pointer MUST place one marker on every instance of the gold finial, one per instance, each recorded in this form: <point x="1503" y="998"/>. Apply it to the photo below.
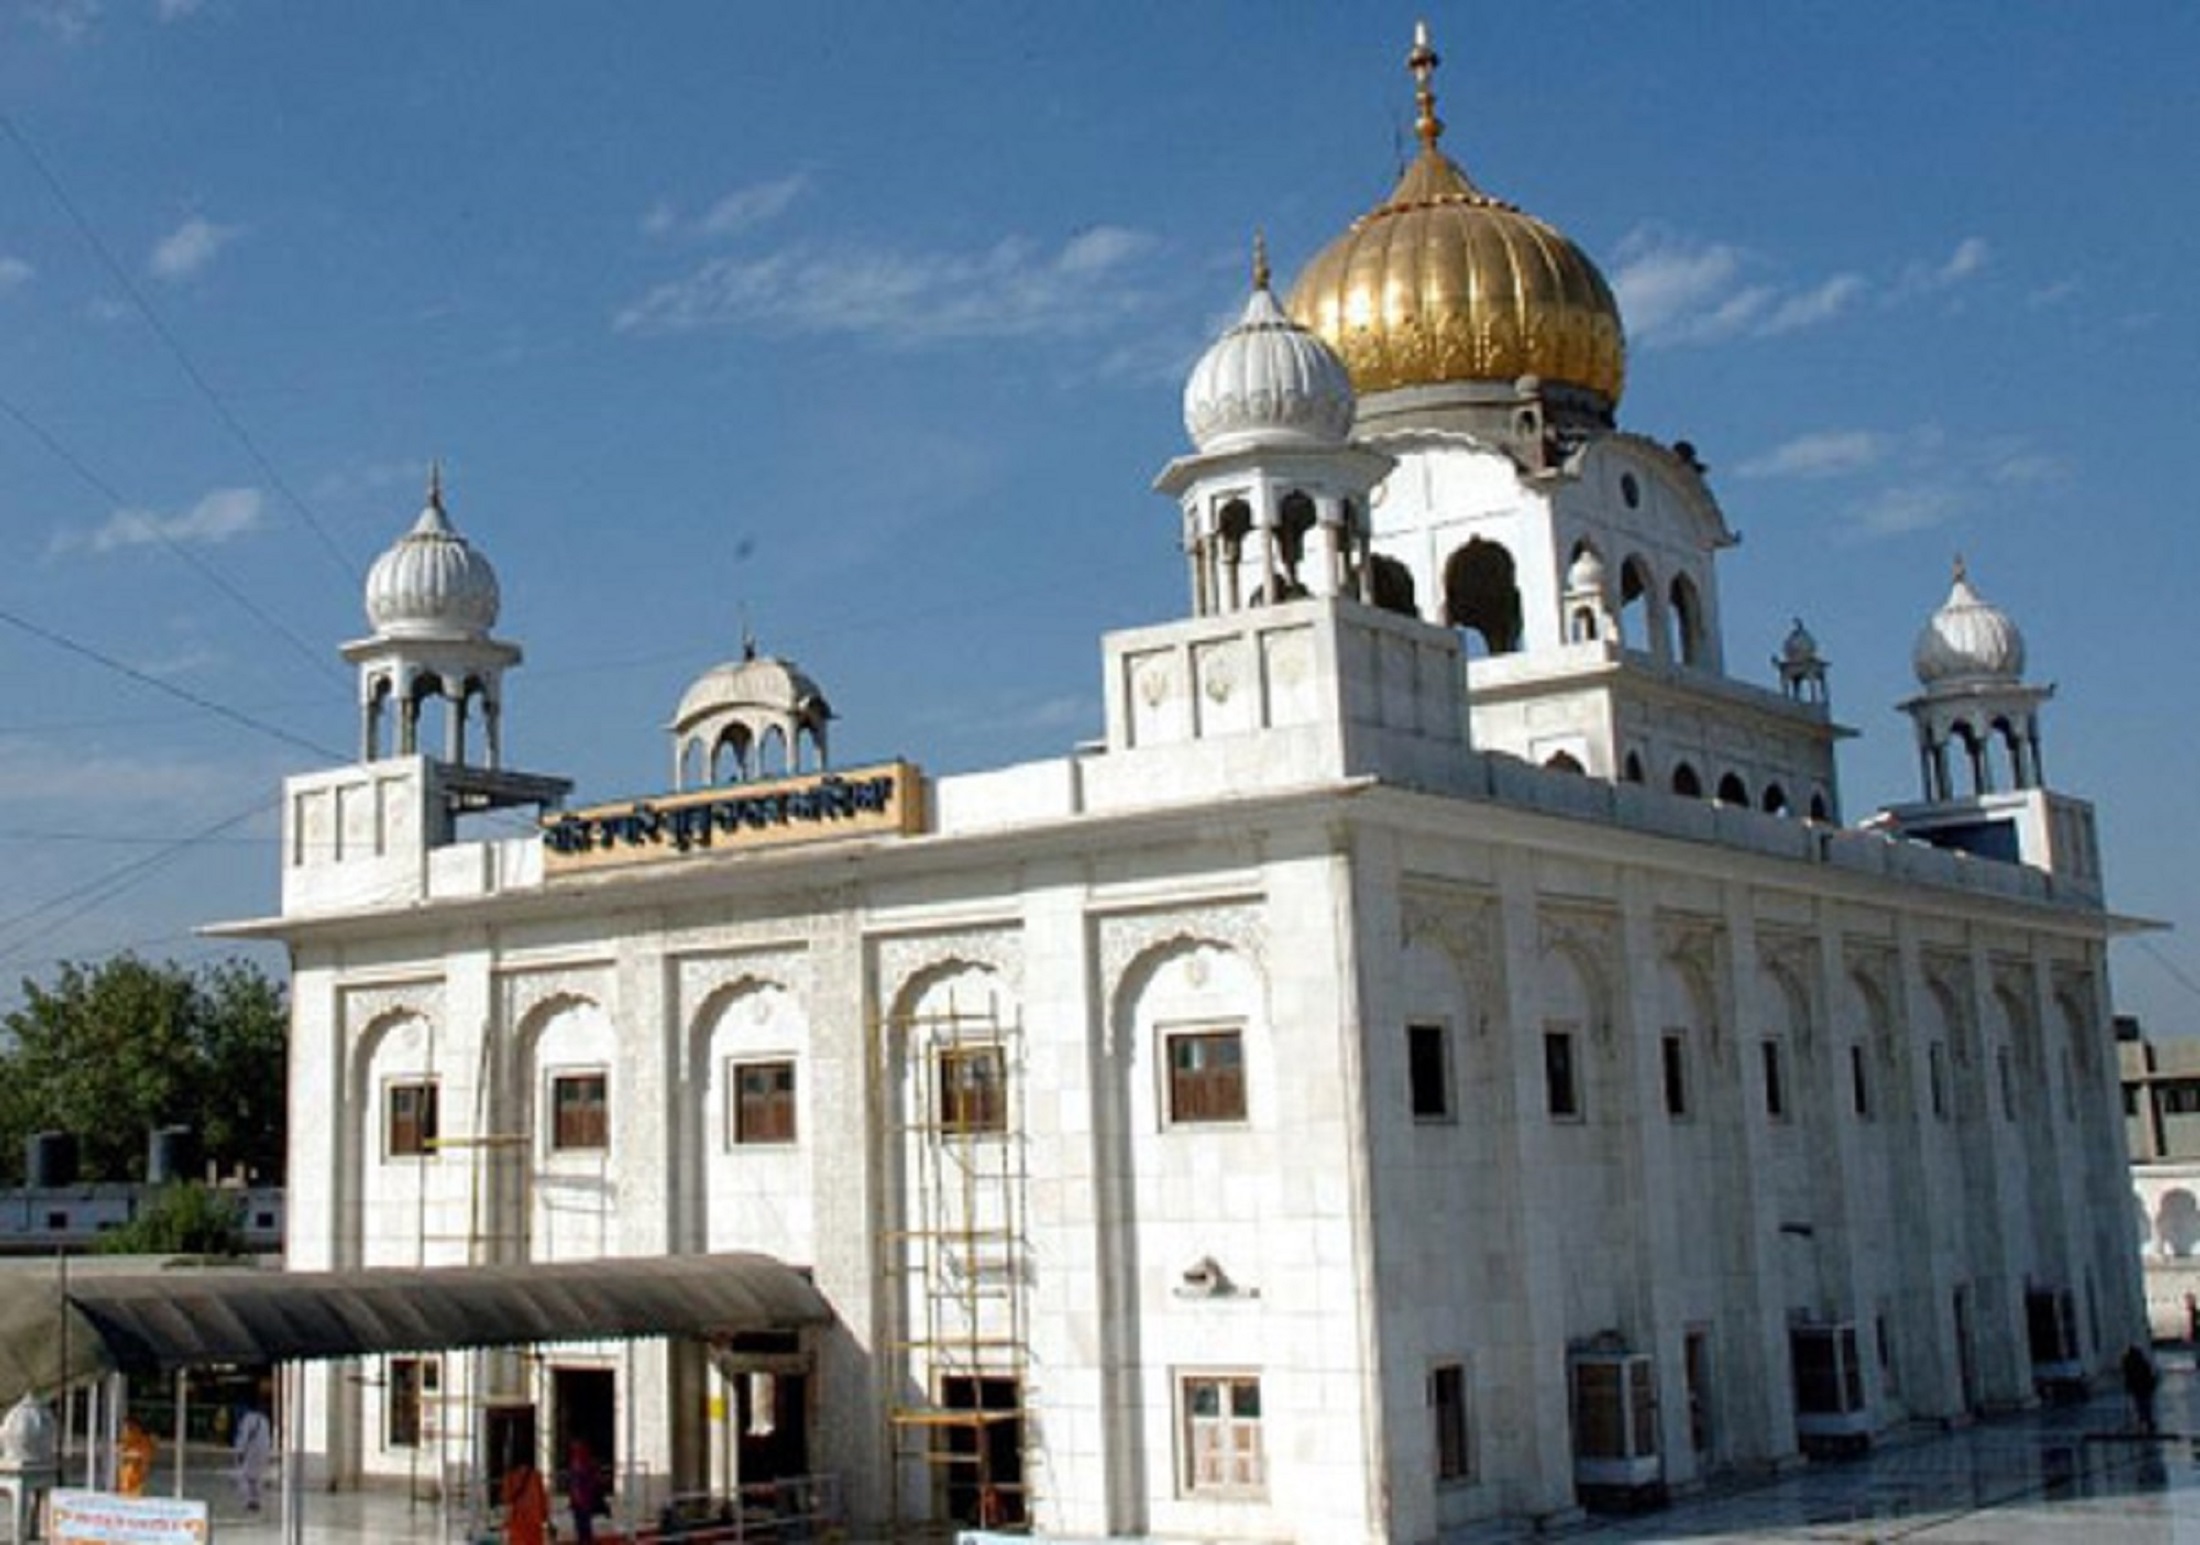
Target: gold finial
<point x="1260" y="260"/>
<point x="1422" y="62"/>
<point x="435" y="483"/>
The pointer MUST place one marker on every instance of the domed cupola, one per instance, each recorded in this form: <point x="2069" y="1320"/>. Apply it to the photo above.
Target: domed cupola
<point x="432" y="599"/>
<point x="1267" y="381"/>
<point x="1442" y="283"/>
<point x="1967" y="640"/>
<point x="432" y="583"/>
<point x="755" y="717"/>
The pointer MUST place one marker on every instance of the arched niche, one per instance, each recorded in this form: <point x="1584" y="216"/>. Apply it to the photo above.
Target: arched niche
<point x="1482" y="597"/>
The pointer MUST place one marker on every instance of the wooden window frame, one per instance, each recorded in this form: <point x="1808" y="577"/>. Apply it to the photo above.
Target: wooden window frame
<point x="972" y="1105"/>
<point x="1205" y="1093"/>
<point x="578" y="1124"/>
<point x="1226" y="1438"/>
<point x="413" y="1133"/>
<point x="769" y="1119"/>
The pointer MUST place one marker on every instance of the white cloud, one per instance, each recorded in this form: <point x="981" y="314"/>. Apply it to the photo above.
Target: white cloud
<point x="71" y="21"/>
<point x="1903" y="508"/>
<point x="2054" y="294"/>
<point x="14" y="273"/>
<point x="188" y="248"/>
<point x="1968" y="258"/>
<point x="224" y="514"/>
<point x="744" y="209"/>
<point x="1812" y="307"/>
<point x="1820" y="454"/>
<point x="1016" y="288"/>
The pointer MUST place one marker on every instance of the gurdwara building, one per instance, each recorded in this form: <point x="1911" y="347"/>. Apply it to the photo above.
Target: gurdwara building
<point x="1445" y="1056"/>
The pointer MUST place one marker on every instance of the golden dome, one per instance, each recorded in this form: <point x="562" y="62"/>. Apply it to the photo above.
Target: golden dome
<point x="1442" y="282"/>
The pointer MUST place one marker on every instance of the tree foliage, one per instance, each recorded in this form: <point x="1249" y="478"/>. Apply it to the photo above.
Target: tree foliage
<point x="182" y="1219"/>
<point x="112" y="1051"/>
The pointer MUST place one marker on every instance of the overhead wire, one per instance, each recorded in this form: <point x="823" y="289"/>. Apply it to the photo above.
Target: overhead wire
<point x="317" y="658"/>
<point x="174" y="345"/>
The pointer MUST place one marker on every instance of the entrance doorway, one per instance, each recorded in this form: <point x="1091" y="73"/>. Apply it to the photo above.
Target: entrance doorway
<point x="508" y="1436"/>
<point x="773" y="1413"/>
<point x="584" y="1407"/>
<point x="984" y="1456"/>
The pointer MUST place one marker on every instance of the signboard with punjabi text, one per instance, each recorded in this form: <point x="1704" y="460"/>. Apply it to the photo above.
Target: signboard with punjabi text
<point x="882" y="800"/>
<point x="105" y="1518"/>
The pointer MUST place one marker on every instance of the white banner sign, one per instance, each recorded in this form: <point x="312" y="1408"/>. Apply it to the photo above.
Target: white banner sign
<point x="103" y="1518"/>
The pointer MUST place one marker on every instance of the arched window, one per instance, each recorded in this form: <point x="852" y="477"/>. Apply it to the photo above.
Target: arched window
<point x="1686" y="783"/>
<point x="1732" y="791"/>
<point x="1688" y="626"/>
<point x="690" y="775"/>
<point x="1818" y="809"/>
<point x="1482" y="597"/>
<point x="1636" y="589"/>
<point x="1633" y="768"/>
<point x="1295" y="518"/>
<point x="771" y="754"/>
<point x="1581" y="628"/>
<point x="1775" y="800"/>
<point x="1233" y="523"/>
<point x="729" y="761"/>
<point x="1563" y="761"/>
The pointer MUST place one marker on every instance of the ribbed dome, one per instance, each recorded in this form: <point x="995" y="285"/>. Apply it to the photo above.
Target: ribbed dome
<point x="1267" y="381"/>
<point x="1441" y="282"/>
<point x="1968" y="640"/>
<point x="432" y="583"/>
<point x="752" y="682"/>
<point x="1586" y="572"/>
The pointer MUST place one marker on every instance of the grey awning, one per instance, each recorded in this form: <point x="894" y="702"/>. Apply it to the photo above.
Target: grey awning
<point x="168" y="1319"/>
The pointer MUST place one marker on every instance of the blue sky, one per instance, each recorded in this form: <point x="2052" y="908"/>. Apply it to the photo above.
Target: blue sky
<point x="868" y="322"/>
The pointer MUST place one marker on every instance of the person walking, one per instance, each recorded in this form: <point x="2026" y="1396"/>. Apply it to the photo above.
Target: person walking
<point x="583" y="1491"/>
<point x="2140" y="1382"/>
<point x="526" y="1506"/>
<point x="134" y="1452"/>
<point x="250" y="1445"/>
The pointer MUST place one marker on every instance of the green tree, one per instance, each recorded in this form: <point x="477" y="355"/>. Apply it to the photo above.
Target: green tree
<point x="111" y="1051"/>
<point x="182" y="1219"/>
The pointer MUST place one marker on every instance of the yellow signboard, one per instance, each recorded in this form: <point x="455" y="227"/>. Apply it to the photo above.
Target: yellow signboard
<point x="883" y="800"/>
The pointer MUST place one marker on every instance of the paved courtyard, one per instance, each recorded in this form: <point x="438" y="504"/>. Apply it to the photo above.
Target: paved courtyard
<point x="2063" y="1473"/>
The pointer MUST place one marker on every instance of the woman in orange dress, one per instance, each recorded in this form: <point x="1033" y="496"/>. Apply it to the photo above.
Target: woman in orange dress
<point x="526" y="1506"/>
<point x="134" y="1458"/>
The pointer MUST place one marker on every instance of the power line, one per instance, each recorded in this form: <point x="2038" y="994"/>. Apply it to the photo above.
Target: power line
<point x="206" y="571"/>
<point x="258" y="726"/>
<point x="121" y="276"/>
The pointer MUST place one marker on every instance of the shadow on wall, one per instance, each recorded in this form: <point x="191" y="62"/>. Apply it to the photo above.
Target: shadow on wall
<point x="2177" y="1222"/>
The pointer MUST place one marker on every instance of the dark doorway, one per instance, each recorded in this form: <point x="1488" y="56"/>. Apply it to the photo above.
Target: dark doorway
<point x="508" y="1434"/>
<point x="773" y="1410"/>
<point x="985" y="1464"/>
<point x="584" y="1406"/>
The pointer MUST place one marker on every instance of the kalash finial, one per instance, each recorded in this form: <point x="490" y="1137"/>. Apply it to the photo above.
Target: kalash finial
<point x="435" y="483"/>
<point x="1260" y="260"/>
<point x="1963" y="572"/>
<point x="1423" y="62"/>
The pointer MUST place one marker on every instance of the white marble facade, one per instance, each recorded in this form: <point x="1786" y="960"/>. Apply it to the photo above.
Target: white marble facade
<point x="1361" y="1059"/>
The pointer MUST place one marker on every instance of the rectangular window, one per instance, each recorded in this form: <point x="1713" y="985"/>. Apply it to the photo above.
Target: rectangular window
<point x="1860" y="1089"/>
<point x="1222" y="1452"/>
<point x="1936" y="1073"/>
<point x="1676" y="1073"/>
<point x="1561" y="1079"/>
<point x="1206" y="1076"/>
<point x="1447" y="1399"/>
<point x="412" y="1383"/>
<point x="763" y="1102"/>
<point x="1775" y="1087"/>
<point x="1428" y="1071"/>
<point x="410" y="1129"/>
<point x="973" y="1089"/>
<point x="1696" y="1368"/>
<point x="579" y="1117"/>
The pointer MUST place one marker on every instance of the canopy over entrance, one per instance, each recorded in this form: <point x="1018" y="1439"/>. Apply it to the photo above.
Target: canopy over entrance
<point x="56" y="1330"/>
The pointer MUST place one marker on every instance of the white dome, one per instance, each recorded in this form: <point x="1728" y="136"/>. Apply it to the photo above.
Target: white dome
<point x="755" y="682"/>
<point x="432" y="583"/>
<point x="1968" y="640"/>
<point x="1268" y="381"/>
<point x="1586" y="572"/>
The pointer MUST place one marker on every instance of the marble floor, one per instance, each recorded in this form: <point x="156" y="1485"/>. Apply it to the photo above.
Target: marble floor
<point x="2072" y="1473"/>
